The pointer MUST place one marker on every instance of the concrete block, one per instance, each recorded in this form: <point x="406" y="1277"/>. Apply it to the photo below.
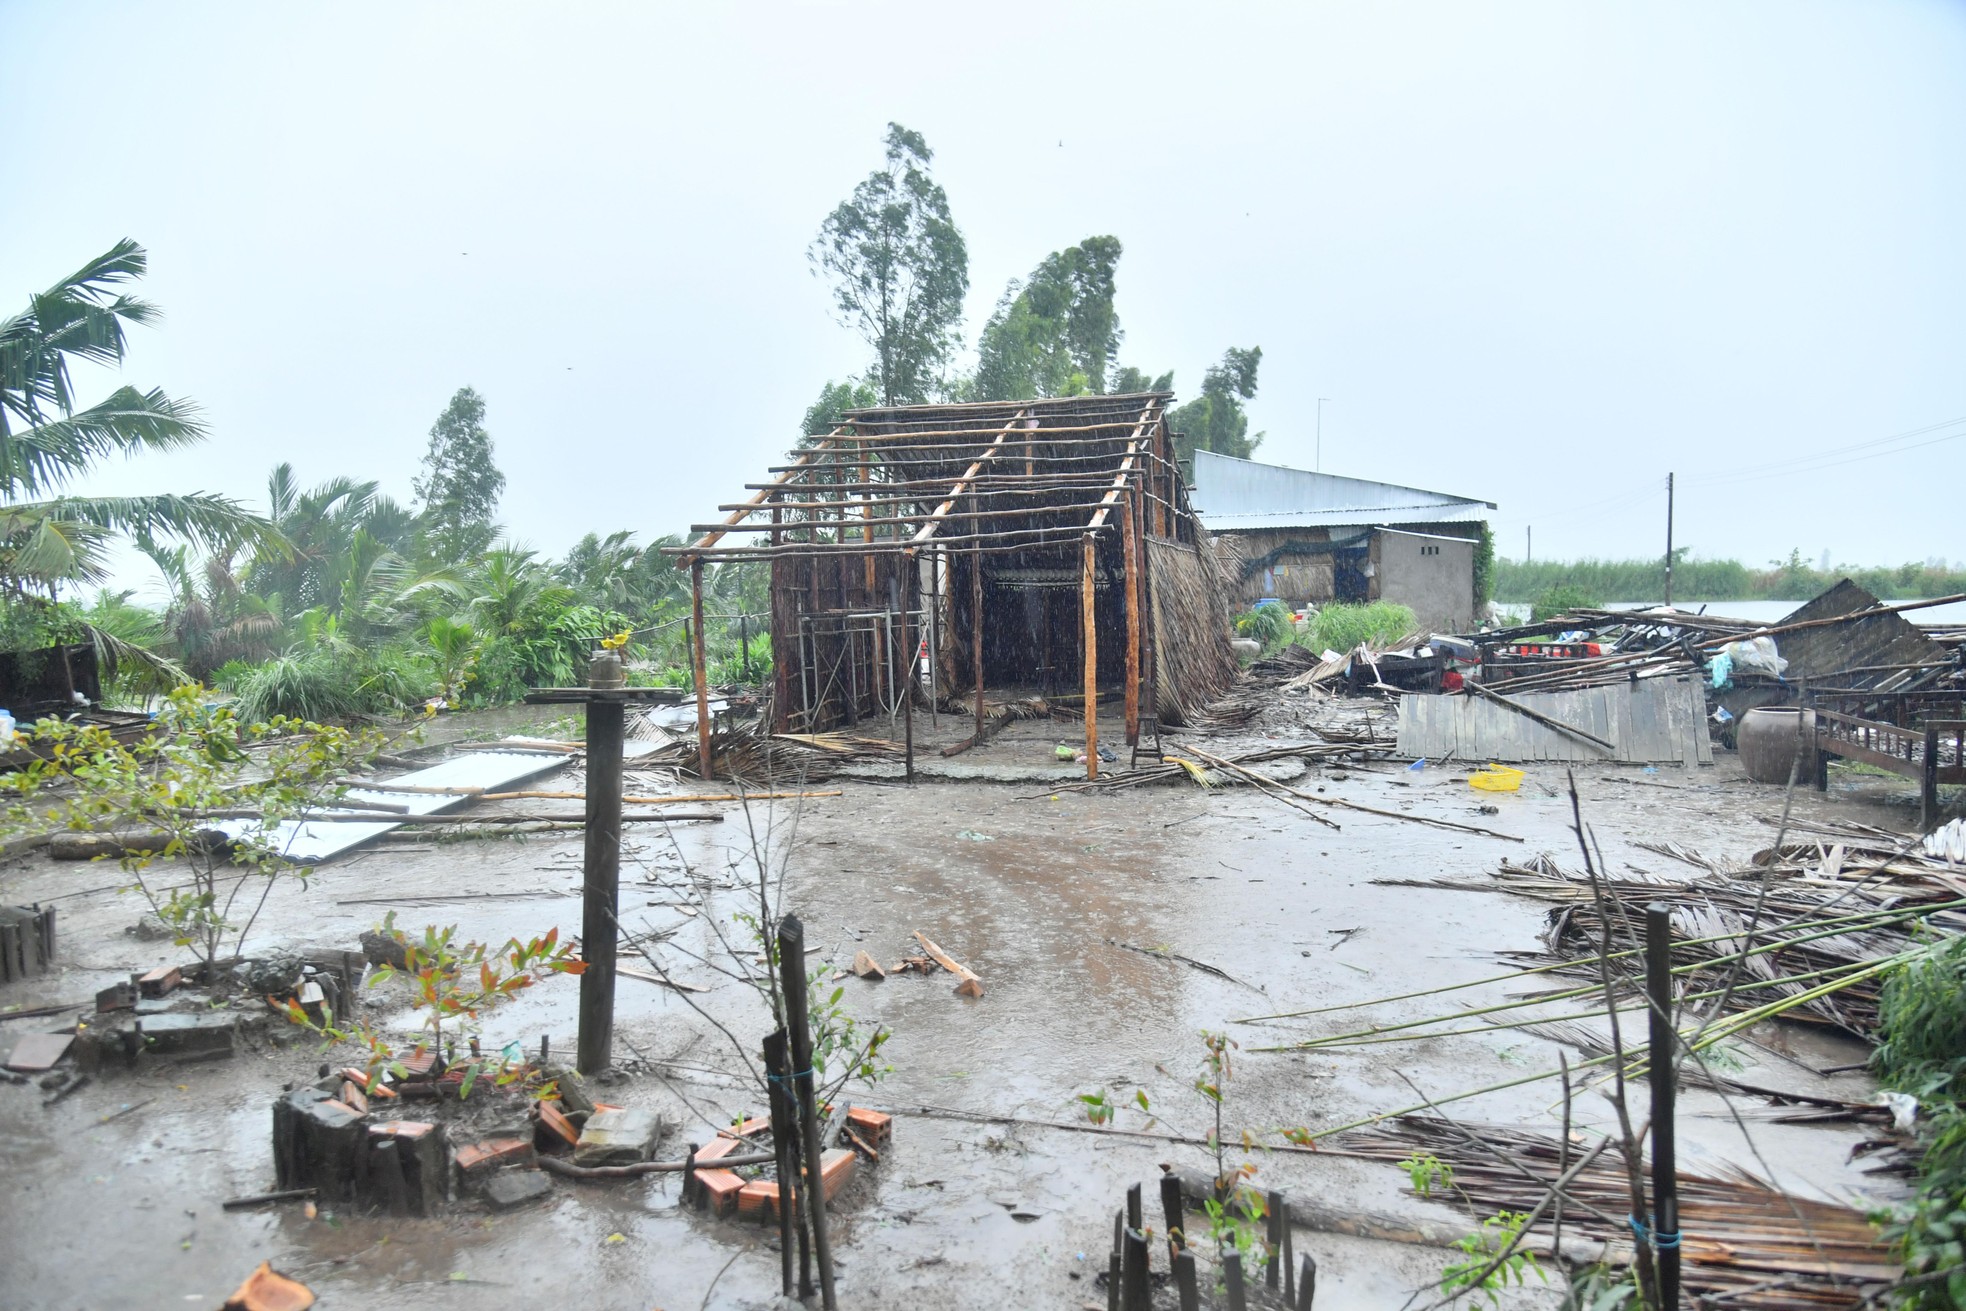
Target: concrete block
<point x="189" y="1034"/>
<point x="116" y="997"/>
<point x="618" y="1137"/>
<point x="510" y="1188"/>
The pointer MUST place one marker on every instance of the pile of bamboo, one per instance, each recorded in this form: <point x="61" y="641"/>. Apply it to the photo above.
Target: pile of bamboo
<point x="1743" y="1242"/>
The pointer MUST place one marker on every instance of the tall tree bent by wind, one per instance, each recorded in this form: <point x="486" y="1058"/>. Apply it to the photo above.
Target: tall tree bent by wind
<point x="899" y="269"/>
<point x="460" y="484"/>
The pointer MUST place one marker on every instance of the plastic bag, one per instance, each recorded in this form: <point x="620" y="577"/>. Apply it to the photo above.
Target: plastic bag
<point x="1755" y="655"/>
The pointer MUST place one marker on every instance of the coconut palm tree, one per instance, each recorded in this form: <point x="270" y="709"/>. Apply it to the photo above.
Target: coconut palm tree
<point x="48" y="539"/>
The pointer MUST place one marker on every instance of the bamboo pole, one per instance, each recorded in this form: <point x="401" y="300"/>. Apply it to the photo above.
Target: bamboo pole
<point x="1129" y="521"/>
<point x="657" y="801"/>
<point x="700" y="667"/>
<point x="934" y="520"/>
<point x="1091" y="641"/>
<point x="976" y="633"/>
<point x="1833" y="926"/>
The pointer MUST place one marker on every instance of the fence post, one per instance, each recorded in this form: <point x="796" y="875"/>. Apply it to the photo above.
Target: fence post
<point x="601" y="869"/>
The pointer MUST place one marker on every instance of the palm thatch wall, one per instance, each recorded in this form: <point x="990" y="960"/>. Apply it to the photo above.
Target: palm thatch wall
<point x="1194" y="664"/>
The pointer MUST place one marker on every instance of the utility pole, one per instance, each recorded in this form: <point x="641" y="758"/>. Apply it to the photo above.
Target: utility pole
<point x="1668" y="539"/>
<point x="1528" y="544"/>
<point x="1318" y="465"/>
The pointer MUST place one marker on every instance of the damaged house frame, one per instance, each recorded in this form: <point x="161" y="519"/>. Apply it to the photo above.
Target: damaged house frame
<point x="959" y="533"/>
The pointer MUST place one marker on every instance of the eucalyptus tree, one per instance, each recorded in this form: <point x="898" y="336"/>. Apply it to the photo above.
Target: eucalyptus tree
<point x="460" y="484"/>
<point x="899" y="269"/>
<point x="1054" y="334"/>
<point x="1215" y="420"/>
<point x="47" y="439"/>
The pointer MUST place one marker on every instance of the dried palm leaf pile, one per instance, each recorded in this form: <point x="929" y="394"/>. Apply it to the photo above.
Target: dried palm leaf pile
<point x="1743" y="1243"/>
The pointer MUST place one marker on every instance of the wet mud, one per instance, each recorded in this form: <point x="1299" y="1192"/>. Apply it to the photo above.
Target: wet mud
<point x="1028" y="888"/>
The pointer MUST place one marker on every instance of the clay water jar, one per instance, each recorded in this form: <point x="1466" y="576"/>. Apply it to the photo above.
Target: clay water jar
<point x="1774" y="739"/>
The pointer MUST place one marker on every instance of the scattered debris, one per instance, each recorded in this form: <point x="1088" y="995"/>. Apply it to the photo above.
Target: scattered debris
<point x="971" y="986"/>
<point x="865" y="967"/>
<point x="266" y="1289"/>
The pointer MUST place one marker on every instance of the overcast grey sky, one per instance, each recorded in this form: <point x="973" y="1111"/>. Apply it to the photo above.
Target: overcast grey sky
<point x="1536" y="253"/>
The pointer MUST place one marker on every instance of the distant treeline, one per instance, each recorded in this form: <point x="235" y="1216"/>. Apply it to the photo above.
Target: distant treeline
<point x="1793" y="579"/>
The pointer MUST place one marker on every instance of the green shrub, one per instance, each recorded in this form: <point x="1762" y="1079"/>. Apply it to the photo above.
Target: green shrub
<point x="328" y="684"/>
<point x="1922" y="1017"/>
<point x="1342" y="627"/>
<point x="1562" y="599"/>
<point x="1269" y="623"/>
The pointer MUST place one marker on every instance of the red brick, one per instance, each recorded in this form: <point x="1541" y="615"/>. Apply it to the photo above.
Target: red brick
<point x="492" y="1153"/>
<point x="351" y="1095"/>
<point x="402" y="1128"/>
<point x="836" y="1167"/>
<point x="758" y="1201"/>
<point x="373" y="1088"/>
<point x="756" y="1124"/>
<point x="557" y="1124"/>
<point x="160" y="981"/>
<point x="418" y="1064"/>
<point x="721" y="1190"/>
<point x="875" y="1127"/>
<point x="718" y="1148"/>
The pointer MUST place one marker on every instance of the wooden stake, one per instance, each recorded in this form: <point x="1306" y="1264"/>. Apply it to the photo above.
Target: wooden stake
<point x="1663" y="1060"/>
<point x="791" y="955"/>
<point x="701" y="670"/>
<point x="1090" y="640"/>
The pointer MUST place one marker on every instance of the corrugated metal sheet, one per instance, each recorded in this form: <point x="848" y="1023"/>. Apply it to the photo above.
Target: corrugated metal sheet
<point x="1654" y="721"/>
<point x="491" y="771"/>
<point x="1235" y="494"/>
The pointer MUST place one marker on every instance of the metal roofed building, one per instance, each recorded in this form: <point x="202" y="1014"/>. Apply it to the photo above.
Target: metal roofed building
<point x="1314" y="538"/>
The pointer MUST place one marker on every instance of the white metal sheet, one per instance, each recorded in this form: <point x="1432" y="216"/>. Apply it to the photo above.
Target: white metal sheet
<point x="310" y="843"/>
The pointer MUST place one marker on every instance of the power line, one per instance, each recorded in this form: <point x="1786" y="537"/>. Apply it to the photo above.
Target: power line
<point x="1826" y="459"/>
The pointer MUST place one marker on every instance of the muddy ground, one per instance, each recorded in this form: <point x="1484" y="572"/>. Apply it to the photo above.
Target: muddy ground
<point x="1027" y="887"/>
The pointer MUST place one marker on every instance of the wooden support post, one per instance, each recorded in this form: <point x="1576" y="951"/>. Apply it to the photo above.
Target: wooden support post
<point x="1306" y="1283"/>
<point x="904" y="688"/>
<point x="784" y="1134"/>
<point x="1129" y="521"/>
<point x="1176" y="1212"/>
<point x="976" y="631"/>
<point x="792" y="982"/>
<point x="1135" y="1209"/>
<point x="1662" y="1058"/>
<point x="1273" y="1268"/>
<point x="1928" y="784"/>
<point x="601" y="869"/>
<point x="1136" y="1292"/>
<point x="1090" y="637"/>
<point x="744" y="643"/>
<point x="1238" y="1299"/>
<point x="1113" y="1262"/>
<point x="701" y="669"/>
<point x="1186" y="1286"/>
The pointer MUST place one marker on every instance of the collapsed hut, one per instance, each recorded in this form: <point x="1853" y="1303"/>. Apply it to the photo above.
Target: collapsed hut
<point x="1042" y="547"/>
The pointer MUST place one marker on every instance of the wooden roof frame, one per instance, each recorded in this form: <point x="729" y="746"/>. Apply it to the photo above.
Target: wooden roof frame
<point x="993" y="476"/>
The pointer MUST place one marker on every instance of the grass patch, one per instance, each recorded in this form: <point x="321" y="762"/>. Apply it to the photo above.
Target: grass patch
<point x="1342" y="627"/>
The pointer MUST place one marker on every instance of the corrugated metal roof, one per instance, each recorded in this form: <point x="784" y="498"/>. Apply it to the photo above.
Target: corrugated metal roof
<point x="1232" y="494"/>
<point x="308" y="844"/>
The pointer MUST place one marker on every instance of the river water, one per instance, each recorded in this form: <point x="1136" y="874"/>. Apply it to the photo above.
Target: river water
<point x="1760" y="612"/>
